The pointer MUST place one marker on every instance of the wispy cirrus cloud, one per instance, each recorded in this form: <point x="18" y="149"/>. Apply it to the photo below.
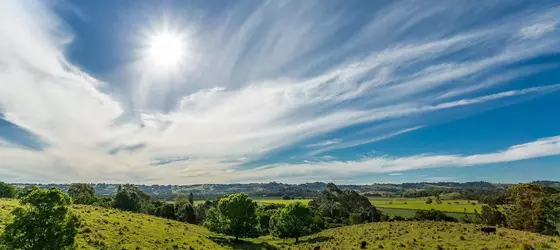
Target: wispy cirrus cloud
<point x="263" y="78"/>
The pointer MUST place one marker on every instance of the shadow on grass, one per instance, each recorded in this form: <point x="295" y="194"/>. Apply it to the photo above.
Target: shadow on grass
<point x="316" y="239"/>
<point x="242" y="244"/>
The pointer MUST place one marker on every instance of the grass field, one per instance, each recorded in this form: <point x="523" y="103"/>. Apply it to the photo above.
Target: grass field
<point x="417" y="235"/>
<point x="451" y="206"/>
<point x="113" y="229"/>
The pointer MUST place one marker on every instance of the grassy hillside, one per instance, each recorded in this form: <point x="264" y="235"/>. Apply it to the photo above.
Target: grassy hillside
<point x="113" y="229"/>
<point x="419" y="235"/>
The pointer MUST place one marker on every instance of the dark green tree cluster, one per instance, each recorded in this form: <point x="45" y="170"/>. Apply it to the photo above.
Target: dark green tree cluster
<point x="432" y="215"/>
<point x="130" y="198"/>
<point x="7" y="190"/>
<point x="292" y="221"/>
<point x="44" y="221"/>
<point x="336" y="205"/>
<point x="235" y="215"/>
<point x="533" y="208"/>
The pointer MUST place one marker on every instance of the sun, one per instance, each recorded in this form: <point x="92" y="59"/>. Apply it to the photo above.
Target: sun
<point x="165" y="49"/>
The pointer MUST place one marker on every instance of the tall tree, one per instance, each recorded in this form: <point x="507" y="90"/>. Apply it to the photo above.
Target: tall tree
<point x="191" y="198"/>
<point x="293" y="221"/>
<point x="532" y="208"/>
<point x="235" y="216"/>
<point x="130" y="198"/>
<point x="7" y="190"/>
<point x="81" y="193"/>
<point x="44" y="221"/>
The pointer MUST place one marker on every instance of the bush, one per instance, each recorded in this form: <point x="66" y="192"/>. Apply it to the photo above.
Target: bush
<point x="44" y="221"/>
<point x="432" y="215"/>
<point x="356" y="218"/>
<point x="235" y="216"/>
<point x="429" y="201"/>
<point x="7" y="190"/>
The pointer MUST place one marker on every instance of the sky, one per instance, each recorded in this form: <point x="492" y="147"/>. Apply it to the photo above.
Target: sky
<point x="189" y="92"/>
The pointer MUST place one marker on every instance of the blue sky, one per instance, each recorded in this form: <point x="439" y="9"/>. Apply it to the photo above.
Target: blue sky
<point x="184" y="92"/>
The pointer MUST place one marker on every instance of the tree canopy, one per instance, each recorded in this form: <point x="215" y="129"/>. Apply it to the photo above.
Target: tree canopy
<point x="7" y="190"/>
<point x="235" y="215"/>
<point x="82" y="193"/>
<point x="44" y="221"/>
<point x="532" y="207"/>
<point x="293" y="221"/>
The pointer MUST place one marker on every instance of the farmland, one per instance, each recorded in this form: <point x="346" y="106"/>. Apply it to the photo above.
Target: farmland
<point x="450" y="206"/>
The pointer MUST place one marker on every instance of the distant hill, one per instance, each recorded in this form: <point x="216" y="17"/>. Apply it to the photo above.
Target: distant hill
<point x="297" y="190"/>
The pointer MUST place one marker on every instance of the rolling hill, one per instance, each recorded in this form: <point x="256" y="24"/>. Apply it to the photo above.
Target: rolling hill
<point x="113" y="229"/>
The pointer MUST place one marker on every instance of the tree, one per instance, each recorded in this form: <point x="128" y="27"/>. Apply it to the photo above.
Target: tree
<point x="82" y="193"/>
<point x="293" y="221"/>
<point x="44" y="221"/>
<point x="356" y="218"/>
<point x="490" y="215"/>
<point x="130" y="198"/>
<point x="166" y="210"/>
<point x="235" y="216"/>
<point x="532" y="208"/>
<point x="7" y="190"/>
<point x="429" y="201"/>
<point x="191" y="198"/>
<point x="286" y="197"/>
<point x="185" y="213"/>
<point x="26" y="191"/>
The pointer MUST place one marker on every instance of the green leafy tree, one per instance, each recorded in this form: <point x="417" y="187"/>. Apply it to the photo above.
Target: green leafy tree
<point x="214" y="221"/>
<point x="286" y="197"/>
<point x="200" y="211"/>
<point x="7" y="190"/>
<point x="130" y="198"/>
<point x="429" y="201"/>
<point x="293" y="221"/>
<point x="191" y="198"/>
<point x="82" y="193"/>
<point x="491" y="215"/>
<point x="235" y="216"/>
<point x="185" y="213"/>
<point x="532" y="207"/>
<point x="166" y="210"/>
<point x="44" y="221"/>
<point x="26" y="191"/>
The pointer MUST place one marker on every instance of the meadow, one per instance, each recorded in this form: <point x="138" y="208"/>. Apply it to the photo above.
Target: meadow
<point x="113" y="229"/>
<point x="450" y="206"/>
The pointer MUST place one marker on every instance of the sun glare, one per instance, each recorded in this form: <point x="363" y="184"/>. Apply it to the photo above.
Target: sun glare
<point x="165" y="49"/>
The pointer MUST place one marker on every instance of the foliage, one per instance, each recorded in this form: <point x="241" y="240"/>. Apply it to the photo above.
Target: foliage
<point x="356" y="218"/>
<point x="191" y="198"/>
<point x="201" y="209"/>
<point x="106" y="202"/>
<point x="44" y="221"/>
<point x="166" y="210"/>
<point x="432" y="215"/>
<point x="7" y="190"/>
<point x="532" y="208"/>
<point x="429" y="201"/>
<point x="293" y="221"/>
<point x="130" y="198"/>
<point x="286" y="197"/>
<point x="338" y="205"/>
<point x="185" y="213"/>
<point x="26" y="191"/>
<point x="491" y="215"/>
<point x="81" y="193"/>
<point x="235" y="215"/>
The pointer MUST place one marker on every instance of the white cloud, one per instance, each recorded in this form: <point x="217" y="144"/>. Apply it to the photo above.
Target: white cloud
<point x="396" y="174"/>
<point x="259" y="82"/>
<point x="328" y="170"/>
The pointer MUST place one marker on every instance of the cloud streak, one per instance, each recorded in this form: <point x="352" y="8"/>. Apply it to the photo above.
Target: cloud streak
<point x="262" y="79"/>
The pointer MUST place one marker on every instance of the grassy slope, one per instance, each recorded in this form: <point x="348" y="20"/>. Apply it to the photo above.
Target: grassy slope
<point x="113" y="229"/>
<point x="104" y="227"/>
<point x="418" y="235"/>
